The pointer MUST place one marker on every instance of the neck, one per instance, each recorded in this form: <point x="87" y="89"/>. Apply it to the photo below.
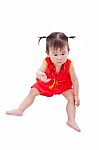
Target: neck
<point x="58" y="69"/>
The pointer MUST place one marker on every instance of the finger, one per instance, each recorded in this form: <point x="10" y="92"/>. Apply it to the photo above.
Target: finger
<point x="76" y="104"/>
<point x="44" y="77"/>
<point x="43" y="74"/>
<point x="47" y="80"/>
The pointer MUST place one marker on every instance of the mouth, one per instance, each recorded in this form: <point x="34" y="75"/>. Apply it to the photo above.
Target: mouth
<point x="59" y="62"/>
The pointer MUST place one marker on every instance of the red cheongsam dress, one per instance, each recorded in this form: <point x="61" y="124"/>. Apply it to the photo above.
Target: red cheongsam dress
<point x="59" y="82"/>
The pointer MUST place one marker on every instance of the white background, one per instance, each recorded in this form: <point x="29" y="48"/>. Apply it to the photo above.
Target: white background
<point x="43" y="126"/>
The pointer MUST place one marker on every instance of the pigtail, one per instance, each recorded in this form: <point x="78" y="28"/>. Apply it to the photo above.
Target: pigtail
<point x="41" y="38"/>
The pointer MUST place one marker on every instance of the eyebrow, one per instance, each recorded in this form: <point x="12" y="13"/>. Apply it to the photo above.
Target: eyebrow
<point x="55" y="52"/>
<point x="63" y="51"/>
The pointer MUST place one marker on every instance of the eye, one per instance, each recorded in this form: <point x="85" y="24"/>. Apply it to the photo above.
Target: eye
<point x="63" y="54"/>
<point x="55" y="54"/>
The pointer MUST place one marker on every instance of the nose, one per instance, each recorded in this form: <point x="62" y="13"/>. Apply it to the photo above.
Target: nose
<point x="59" y="57"/>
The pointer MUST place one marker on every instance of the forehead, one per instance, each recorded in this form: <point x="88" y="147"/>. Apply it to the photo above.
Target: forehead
<point x="54" y="50"/>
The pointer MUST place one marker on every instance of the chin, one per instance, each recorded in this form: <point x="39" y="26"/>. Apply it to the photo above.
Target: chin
<point x="59" y="64"/>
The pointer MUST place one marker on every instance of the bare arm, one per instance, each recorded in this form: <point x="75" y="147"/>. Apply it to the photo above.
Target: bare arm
<point x="41" y="70"/>
<point x="75" y="84"/>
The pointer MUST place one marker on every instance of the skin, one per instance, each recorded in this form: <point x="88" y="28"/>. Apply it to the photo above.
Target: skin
<point x="58" y="57"/>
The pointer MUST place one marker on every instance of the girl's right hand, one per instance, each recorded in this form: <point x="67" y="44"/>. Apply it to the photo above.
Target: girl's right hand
<point x="44" y="77"/>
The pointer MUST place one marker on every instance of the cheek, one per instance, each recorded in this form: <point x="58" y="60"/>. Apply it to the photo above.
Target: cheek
<point x="66" y="55"/>
<point x="65" y="58"/>
<point x="53" y="59"/>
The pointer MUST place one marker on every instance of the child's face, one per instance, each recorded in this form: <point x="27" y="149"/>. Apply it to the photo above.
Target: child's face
<point x="59" y="56"/>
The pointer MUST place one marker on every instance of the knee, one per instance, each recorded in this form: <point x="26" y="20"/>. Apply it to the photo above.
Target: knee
<point x="34" y="92"/>
<point x="70" y="98"/>
<point x="69" y="95"/>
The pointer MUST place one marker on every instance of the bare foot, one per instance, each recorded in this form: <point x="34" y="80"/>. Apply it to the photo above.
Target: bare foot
<point x="15" y="112"/>
<point x="73" y="125"/>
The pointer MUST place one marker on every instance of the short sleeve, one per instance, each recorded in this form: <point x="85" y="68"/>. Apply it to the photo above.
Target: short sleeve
<point x="70" y="64"/>
<point x="45" y="62"/>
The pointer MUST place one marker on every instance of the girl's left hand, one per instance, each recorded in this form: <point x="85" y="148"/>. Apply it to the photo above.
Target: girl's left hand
<point x="77" y="101"/>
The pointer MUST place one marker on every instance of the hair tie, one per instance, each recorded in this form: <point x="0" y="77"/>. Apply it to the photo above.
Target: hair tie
<point x="41" y="38"/>
<point x="72" y="37"/>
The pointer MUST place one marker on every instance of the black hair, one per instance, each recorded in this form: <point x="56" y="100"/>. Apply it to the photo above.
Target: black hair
<point x="56" y="40"/>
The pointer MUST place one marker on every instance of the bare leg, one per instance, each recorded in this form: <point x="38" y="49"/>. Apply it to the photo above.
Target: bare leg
<point x="71" y="110"/>
<point x="25" y="104"/>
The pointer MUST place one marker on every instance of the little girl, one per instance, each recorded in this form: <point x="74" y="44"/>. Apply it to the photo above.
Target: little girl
<point x="55" y="76"/>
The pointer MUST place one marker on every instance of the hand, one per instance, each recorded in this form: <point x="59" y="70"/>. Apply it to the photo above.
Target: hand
<point x="77" y="101"/>
<point x="44" y="77"/>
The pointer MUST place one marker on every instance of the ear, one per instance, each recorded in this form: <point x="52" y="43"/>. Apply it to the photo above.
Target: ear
<point x="68" y="49"/>
<point x="47" y="52"/>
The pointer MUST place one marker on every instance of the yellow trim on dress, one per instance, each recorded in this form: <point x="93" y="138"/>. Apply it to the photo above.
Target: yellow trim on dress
<point x="45" y="62"/>
<point x="70" y="65"/>
<point x="50" y="87"/>
<point x="55" y="83"/>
